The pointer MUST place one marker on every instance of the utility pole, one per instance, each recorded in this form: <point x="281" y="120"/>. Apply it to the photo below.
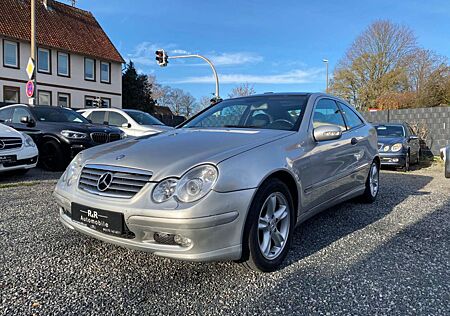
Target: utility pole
<point x="326" y="63"/>
<point x="33" y="47"/>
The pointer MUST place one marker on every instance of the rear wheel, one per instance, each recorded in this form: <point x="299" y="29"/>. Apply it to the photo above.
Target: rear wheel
<point x="372" y="184"/>
<point x="269" y="227"/>
<point x="51" y="156"/>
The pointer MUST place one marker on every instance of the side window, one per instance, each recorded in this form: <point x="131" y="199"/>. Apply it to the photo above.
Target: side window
<point x="6" y="115"/>
<point x="228" y="116"/>
<point x="351" y="118"/>
<point x="326" y="112"/>
<point x="18" y="114"/>
<point x="97" y="117"/>
<point x="116" y="119"/>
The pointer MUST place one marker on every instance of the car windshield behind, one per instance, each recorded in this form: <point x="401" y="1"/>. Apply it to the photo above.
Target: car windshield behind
<point x="54" y="114"/>
<point x="143" y="118"/>
<point x="282" y="112"/>
<point x="390" y="131"/>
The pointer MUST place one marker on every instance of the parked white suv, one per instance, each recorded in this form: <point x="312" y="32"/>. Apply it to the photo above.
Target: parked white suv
<point x="131" y="122"/>
<point x="17" y="150"/>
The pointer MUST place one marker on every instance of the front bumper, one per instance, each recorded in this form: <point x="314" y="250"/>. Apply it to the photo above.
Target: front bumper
<point x="27" y="158"/>
<point x="214" y="225"/>
<point x="393" y="159"/>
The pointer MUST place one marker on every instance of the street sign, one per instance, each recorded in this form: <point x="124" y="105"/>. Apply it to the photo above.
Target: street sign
<point x="30" y="68"/>
<point x="30" y="88"/>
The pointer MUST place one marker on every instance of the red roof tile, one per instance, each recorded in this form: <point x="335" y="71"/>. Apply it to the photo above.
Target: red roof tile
<point x="60" y="26"/>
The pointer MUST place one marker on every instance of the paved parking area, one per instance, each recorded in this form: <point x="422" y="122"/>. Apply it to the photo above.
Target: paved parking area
<point x="391" y="257"/>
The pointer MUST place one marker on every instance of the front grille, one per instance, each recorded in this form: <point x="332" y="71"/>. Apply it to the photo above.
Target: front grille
<point x="10" y="143"/>
<point x="114" y="137"/>
<point x="125" y="182"/>
<point x="100" y="138"/>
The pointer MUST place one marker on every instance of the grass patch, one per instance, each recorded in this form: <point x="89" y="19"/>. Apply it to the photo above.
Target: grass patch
<point x="17" y="184"/>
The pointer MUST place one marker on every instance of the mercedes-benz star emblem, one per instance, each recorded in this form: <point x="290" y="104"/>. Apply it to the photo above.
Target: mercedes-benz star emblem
<point x="2" y="144"/>
<point x="104" y="181"/>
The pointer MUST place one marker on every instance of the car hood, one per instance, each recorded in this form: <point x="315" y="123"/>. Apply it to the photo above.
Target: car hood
<point x="173" y="153"/>
<point x="390" y="140"/>
<point x="81" y="127"/>
<point x="6" y="131"/>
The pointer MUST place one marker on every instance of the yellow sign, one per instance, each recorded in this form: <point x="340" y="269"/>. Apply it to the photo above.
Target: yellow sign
<point x="30" y="68"/>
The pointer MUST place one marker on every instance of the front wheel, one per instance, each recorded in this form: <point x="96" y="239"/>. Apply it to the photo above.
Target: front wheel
<point x="407" y="165"/>
<point x="372" y="184"/>
<point x="269" y="227"/>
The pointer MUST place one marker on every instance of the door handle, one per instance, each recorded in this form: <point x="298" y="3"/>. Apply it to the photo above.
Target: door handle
<point x="353" y="141"/>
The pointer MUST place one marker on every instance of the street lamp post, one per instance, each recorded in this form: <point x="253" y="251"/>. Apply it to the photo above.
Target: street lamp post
<point x="32" y="100"/>
<point x="326" y="63"/>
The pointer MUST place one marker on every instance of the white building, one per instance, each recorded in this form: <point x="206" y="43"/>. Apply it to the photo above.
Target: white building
<point x="76" y="61"/>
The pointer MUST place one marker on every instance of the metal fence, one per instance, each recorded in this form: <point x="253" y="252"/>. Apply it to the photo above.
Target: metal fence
<point x="436" y="122"/>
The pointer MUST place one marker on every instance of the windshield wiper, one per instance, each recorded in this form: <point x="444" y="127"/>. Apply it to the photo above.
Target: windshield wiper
<point x="241" y="126"/>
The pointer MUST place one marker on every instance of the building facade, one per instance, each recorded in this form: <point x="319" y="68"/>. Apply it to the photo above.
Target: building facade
<point x="76" y="61"/>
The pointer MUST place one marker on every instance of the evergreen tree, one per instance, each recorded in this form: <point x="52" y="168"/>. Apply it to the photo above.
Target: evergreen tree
<point x="136" y="90"/>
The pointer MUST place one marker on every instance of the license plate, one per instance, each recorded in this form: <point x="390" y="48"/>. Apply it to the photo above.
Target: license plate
<point x="8" y="158"/>
<point x="101" y="220"/>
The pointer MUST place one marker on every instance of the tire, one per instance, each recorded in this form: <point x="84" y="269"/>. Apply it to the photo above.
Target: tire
<point x="372" y="184"/>
<point x="418" y="157"/>
<point x="51" y="156"/>
<point x="407" y="165"/>
<point x="263" y="229"/>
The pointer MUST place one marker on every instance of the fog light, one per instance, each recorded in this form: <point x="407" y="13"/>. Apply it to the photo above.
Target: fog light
<point x="395" y="159"/>
<point x="182" y="241"/>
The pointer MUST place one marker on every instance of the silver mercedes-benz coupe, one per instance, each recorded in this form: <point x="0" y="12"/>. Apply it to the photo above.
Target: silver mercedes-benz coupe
<point x="231" y="183"/>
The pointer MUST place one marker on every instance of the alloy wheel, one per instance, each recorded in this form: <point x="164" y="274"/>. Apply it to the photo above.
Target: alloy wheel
<point x="374" y="180"/>
<point x="273" y="225"/>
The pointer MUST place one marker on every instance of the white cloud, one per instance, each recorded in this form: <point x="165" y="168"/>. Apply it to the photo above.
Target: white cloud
<point x="291" y="77"/>
<point x="144" y="53"/>
<point x="237" y="58"/>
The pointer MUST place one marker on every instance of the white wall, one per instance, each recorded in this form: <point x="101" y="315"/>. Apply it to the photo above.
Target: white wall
<point x="75" y="85"/>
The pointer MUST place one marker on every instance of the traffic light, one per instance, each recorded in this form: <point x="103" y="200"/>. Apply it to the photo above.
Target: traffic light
<point x="96" y="102"/>
<point x="161" y="57"/>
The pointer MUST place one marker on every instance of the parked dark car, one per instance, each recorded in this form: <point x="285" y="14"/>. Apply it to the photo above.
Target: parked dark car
<point x="398" y="145"/>
<point x="59" y="133"/>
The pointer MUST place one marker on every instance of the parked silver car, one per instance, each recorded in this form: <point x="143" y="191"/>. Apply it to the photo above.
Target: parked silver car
<point x="230" y="184"/>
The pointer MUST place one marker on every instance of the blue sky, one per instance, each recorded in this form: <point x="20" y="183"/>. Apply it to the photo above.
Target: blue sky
<point x="275" y="45"/>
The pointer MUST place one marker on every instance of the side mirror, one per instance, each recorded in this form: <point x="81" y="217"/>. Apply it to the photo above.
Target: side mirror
<point x="327" y="132"/>
<point x="25" y="119"/>
<point x="126" y="125"/>
<point x="412" y="137"/>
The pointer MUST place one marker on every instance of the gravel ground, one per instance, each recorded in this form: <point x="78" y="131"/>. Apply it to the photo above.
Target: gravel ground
<point x="391" y="257"/>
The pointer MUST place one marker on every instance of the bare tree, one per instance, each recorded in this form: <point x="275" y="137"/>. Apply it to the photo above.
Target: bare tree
<point x="242" y="90"/>
<point x="375" y="64"/>
<point x="204" y="102"/>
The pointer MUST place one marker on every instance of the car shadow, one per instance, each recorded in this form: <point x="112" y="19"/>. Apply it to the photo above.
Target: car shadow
<point x="33" y="175"/>
<point x="348" y="217"/>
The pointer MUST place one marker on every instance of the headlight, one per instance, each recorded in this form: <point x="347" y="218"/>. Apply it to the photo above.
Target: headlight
<point x="386" y="148"/>
<point x="396" y="147"/>
<point x="73" y="135"/>
<point x="28" y="141"/>
<point x="73" y="170"/>
<point x="123" y="135"/>
<point x="194" y="185"/>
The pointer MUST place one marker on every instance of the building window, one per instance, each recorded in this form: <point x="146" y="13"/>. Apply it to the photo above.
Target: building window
<point x="105" y="72"/>
<point x="44" y="63"/>
<point x="64" y="100"/>
<point x="89" y="69"/>
<point x="11" y="94"/>
<point x="63" y="64"/>
<point x="89" y="101"/>
<point x="106" y="103"/>
<point x="44" y="97"/>
<point x="10" y="54"/>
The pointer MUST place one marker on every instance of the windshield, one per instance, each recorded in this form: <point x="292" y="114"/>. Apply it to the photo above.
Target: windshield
<point x="390" y="131"/>
<point x="143" y="118"/>
<point x="54" y="114"/>
<point x="262" y="112"/>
